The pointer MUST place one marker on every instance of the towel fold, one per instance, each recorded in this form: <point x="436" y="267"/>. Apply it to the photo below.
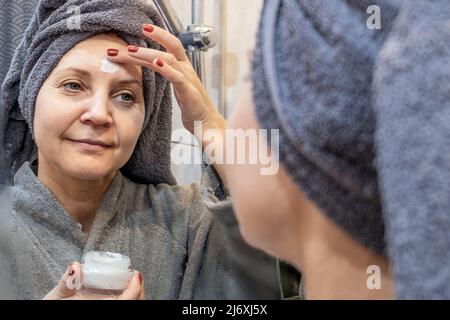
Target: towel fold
<point x="49" y="36"/>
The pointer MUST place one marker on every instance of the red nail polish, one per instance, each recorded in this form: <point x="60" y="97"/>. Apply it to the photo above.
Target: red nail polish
<point x="140" y="278"/>
<point x="148" y="27"/>
<point x="133" y="49"/>
<point x="113" y="52"/>
<point x="159" y="63"/>
<point x="71" y="272"/>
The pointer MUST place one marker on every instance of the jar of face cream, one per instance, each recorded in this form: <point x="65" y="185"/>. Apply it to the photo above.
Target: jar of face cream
<point x="105" y="273"/>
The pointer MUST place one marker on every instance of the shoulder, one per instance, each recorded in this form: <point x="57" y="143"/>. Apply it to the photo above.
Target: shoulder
<point x="174" y="208"/>
<point x="168" y="196"/>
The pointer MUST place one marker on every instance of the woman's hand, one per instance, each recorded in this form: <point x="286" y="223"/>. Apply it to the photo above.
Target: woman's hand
<point x="174" y="65"/>
<point x="71" y="282"/>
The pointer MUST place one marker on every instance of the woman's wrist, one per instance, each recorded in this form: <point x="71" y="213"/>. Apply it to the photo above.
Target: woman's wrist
<point x="209" y="131"/>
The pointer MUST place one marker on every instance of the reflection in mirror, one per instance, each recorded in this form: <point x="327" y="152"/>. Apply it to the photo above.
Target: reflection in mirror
<point x="91" y="166"/>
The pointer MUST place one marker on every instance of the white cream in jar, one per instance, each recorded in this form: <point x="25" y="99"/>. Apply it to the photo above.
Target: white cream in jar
<point x="105" y="273"/>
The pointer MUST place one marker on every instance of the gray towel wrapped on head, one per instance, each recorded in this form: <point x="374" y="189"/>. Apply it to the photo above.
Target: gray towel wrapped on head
<point x="49" y="36"/>
<point x="364" y="123"/>
<point x="312" y="75"/>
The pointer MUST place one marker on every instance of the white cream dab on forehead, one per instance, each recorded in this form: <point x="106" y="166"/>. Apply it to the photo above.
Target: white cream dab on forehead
<point x="108" y="66"/>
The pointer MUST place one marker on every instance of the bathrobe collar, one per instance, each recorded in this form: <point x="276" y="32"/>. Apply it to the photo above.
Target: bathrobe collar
<point x="34" y="200"/>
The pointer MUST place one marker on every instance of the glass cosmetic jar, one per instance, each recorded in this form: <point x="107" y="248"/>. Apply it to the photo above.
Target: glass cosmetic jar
<point x="105" y="273"/>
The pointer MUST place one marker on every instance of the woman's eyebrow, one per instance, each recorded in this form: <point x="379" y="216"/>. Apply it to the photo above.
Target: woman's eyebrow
<point x="129" y="81"/>
<point x="79" y="71"/>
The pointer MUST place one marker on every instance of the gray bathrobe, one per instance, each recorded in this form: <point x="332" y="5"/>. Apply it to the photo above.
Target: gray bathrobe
<point x="184" y="240"/>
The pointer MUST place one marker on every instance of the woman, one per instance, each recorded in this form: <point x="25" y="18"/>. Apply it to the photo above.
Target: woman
<point x="364" y="121"/>
<point x="360" y="203"/>
<point x="89" y="143"/>
<point x="286" y="223"/>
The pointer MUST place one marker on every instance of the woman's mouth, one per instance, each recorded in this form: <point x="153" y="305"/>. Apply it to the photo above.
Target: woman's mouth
<point x="91" y="145"/>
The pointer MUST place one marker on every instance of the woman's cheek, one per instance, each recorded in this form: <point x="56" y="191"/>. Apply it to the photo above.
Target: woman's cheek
<point x="252" y="194"/>
<point x="49" y="119"/>
<point x="129" y="127"/>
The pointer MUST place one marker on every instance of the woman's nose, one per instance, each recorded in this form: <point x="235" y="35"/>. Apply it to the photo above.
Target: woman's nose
<point x="98" y="111"/>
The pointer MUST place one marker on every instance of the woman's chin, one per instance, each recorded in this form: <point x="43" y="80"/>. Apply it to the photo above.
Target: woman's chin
<point x="89" y="171"/>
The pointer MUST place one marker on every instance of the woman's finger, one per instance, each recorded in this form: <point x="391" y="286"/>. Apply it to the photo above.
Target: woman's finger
<point x="74" y="281"/>
<point x="171" y="74"/>
<point x="151" y="54"/>
<point x="166" y="70"/>
<point x="139" y="56"/>
<point x="117" y="56"/>
<point x="134" y="288"/>
<point x="67" y="285"/>
<point x="142" y="295"/>
<point x="172" y="44"/>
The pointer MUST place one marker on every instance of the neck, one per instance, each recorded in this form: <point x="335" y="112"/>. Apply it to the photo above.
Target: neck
<point x="335" y="266"/>
<point x="80" y="198"/>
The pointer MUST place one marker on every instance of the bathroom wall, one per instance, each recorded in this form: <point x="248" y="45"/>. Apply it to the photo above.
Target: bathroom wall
<point x="226" y="64"/>
<point x="11" y="29"/>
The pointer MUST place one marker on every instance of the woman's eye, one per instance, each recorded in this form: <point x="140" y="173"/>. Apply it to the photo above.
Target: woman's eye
<point x="73" y="86"/>
<point x="126" y="98"/>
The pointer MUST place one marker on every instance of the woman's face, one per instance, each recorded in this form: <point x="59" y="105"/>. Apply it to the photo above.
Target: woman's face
<point x="267" y="207"/>
<point x="80" y="102"/>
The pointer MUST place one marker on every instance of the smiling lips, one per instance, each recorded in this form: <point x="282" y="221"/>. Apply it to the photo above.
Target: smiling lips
<point x="91" y="145"/>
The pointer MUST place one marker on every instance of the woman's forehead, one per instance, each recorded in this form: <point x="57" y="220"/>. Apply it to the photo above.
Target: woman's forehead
<point x="111" y="39"/>
<point x="90" y="54"/>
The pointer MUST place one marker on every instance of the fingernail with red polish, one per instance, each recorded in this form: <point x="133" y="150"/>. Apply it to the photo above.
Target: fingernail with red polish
<point x="148" y="27"/>
<point x="159" y="63"/>
<point x="113" y="52"/>
<point x="133" y="49"/>
<point x="140" y="278"/>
